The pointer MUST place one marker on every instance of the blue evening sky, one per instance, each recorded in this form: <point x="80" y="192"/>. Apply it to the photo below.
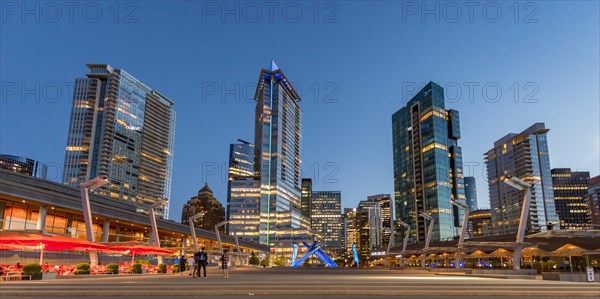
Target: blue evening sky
<point x="354" y="62"/>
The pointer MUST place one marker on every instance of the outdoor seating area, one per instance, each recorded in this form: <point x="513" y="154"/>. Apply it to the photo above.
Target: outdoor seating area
<point x="567" y="258"/>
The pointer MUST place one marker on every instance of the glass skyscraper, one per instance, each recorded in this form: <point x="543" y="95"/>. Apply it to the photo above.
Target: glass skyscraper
<point x="385" y="202"/>
<point x="326" y="219"/>
<point x="277" y="159"/>
<point x="427" y="164"/>
<point x="306" y="198"/>
<point x="471" y="193"/>
<point x="122" y="130"/>
<point x="24" y="165"/>
<point x="243" y="192"/>
<point x="525" y="156"/>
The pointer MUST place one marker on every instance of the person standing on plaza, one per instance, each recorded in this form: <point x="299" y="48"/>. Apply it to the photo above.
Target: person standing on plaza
<point x="224" y="262"/>
<point x="191" y="266"/>
<point x="202" y="262"/>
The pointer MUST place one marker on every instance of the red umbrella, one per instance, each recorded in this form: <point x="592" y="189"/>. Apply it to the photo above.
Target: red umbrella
<point x="46" y="241"/>
<point x="134" y="248"/>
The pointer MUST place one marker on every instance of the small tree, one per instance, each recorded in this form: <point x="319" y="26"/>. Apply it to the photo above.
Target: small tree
<point x="253" y="259"/>
<point x="136" y="268"/>
<point x="175" y="268"/>
<point x="279" y="261"/>
<point x="31" y="269"/>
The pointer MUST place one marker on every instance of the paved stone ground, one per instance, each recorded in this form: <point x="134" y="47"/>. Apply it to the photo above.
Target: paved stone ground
<point x="299" y="283"/>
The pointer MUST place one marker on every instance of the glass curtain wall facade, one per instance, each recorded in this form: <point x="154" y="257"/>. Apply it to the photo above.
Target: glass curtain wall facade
<point x="326" y="219"/>
<point x="122" y="130"/>
<point x="570" y="190"/>
<point x="524" y="155"/>
<point x="428" y="170"/>
<point x="306" y="198"/>
<point x="370" y="225"/>
<point x="277" y="160"/>
<point x="24" y="165"/>
<point x="471" y="193"/>
<point x="385" y="202"/>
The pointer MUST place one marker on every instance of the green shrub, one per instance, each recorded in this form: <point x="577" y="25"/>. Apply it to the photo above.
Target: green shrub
<point x="253" y="259"/>
<point x="175" y="268"/>
<point x="31" y="269"/>
<point x="82" y="268"/>
<point x="143" y="262"/>
<point x="112" y="269"/>
<point x="136" y="268"/>
<point x="162" y="268"/>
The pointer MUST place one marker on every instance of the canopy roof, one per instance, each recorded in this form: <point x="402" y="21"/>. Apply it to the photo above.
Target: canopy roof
<point x="50" y="242"/>
<point x="136" y="248"/>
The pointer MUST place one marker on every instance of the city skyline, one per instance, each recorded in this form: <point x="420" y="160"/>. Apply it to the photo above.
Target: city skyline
<point x="324" y="124"/>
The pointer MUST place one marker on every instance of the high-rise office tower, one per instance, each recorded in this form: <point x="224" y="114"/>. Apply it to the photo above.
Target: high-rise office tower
<point x="471" y="193"/>
<point x="277" y="159"/>
<point x="122" y="130"/>
<point x="428" y="170"/>
<point x="525" y="156"/>
<point x="594" y="201"/>
<point x="350" y="231"/>
<point x="306" y="197"/>
<point x="385" y="202"/>
<point x="370" y="225"/>
<point x="243" y="192"/>
<point x="570" y="190"/>
<point x="23" y="165"/>
<point x="326" y="219"/>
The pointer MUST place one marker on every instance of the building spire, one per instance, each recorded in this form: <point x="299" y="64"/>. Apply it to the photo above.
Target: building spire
<point x="274" y="66"/>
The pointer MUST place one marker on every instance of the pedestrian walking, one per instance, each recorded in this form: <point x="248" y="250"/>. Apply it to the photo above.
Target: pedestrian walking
<point x="191" y="266"/>
<point x="202" y="262"/>
<point x="224" y="262"/>
<point x="182" y="263"/>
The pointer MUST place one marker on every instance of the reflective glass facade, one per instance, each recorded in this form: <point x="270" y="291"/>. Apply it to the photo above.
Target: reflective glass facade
<point x="123" y="130"/>
<point x="385" y="202"/>
<point x="23" y="165"/>
<point x="277" y="159"/>
<point x="524" y="155"/>
<point x="471" y="193"/>
<point x="427" y="164"/>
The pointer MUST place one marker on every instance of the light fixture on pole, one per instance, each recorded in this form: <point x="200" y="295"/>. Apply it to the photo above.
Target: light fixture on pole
<point x="520" y="185"/>
<point x="406" y="234"/>
<point x="463" y="231"/>
<point x="193" y="229"/>
<point x="155" y="237"/>
<point x="221" y="245"/>
<point x="427" y="237"/>
<point x="84" y="189"/>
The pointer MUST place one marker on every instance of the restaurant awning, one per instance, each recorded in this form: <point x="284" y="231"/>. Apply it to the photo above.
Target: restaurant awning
<point x="49" y="242"/>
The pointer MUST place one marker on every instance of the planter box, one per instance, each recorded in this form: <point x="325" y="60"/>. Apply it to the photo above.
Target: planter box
<point x="49" y="275"/>
<point x="567" y="276"/>
<point x="35" y="276"/>
<point x="502" y="271"/>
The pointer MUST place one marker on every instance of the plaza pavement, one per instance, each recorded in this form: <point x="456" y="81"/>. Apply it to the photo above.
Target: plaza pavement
<point x="299" y="283"/>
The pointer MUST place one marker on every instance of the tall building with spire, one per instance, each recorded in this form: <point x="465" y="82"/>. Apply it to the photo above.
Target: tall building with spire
<point x="428" y="171"/>
<point x="122" y="130"/>
<point x="277" y="161"/>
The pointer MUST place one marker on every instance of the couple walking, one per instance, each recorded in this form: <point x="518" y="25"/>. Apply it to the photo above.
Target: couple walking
<point x="200" y="261"/>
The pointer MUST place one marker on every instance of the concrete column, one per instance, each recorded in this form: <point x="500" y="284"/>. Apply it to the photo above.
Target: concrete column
<point x="105" y="230"/>
<point x="41" y="221"/>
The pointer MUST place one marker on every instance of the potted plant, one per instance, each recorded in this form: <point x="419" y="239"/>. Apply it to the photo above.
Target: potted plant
<point x="82" y="268"/>
<point x="175" y="268"/>
<point x="136" y="268"/>
<point x="162" y="268"/>
<point x="35" y="270"/>
<point x="112" y="269"/>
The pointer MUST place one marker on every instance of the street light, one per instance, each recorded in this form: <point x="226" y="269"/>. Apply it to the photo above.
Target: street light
<point x="520" y="185"/>
<point x="154" y="226"/>
<point x="193" y="229"/>
<point x="84" y="189"/>
<point x="463" y="231"/>
<point x="405" y="241"/>
<point x="428" y="237"/>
